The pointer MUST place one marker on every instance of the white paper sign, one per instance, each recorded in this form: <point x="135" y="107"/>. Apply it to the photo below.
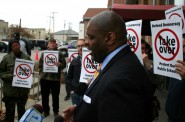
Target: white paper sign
<point x="88" y="66"/>
<point x="31" y="115"/>
<point x="176" y="12"/>
<point x="134" y="37"/>
<point x="167" y="46"/>
<point x="72" y="53"/>
<point x="23" y="73"/>
<point x="50" y="58"/>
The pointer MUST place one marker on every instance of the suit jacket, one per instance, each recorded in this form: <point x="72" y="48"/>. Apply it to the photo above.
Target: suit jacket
<point x="73" y="76"/>
<point x="121" y="93"/>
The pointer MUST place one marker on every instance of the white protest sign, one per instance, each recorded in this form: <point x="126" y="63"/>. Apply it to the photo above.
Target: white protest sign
<point x="23" y="73"/>
<point x="88" y="66"/>
<point x="167" y="46"/>
<point x="176" y="12"/>
<point x="49" y="60"/>
<point x="72" y="53"/>
<point x="134" y="37"/>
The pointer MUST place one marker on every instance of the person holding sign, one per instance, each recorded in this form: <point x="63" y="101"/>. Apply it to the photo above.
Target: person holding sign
<point x="175" y="103"/>
<point x="13" y="95"/>
<point x="154" y="78"/>
<point x="148" y="64"/>
<point x="50" y="81"/>
<point x="122" y="91"/>
<point x="73" y="75"/>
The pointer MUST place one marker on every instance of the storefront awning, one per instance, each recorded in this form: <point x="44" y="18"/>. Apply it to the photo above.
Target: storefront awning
<point x="145" y="12"/>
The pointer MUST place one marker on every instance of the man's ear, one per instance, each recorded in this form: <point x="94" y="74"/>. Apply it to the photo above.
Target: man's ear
<point x="110" y="38"/>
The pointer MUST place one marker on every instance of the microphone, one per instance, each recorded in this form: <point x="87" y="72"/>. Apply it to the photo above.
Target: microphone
<point x="33" y="114"/>
<point x="59" y="118"/>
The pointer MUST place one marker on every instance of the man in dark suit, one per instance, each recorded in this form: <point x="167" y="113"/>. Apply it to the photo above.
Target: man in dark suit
<point x="73" y="75"/>
<point x="122" y="92"/>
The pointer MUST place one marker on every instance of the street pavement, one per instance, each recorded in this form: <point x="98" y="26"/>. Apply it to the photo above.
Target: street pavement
<point x="63" y="104"/>
<point x="160" y="93"/>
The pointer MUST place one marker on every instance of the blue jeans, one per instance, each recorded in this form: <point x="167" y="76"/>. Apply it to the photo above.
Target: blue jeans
<point x="75" y="98"/>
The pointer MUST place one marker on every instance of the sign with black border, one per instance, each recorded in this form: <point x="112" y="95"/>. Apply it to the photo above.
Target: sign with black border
<point x="49" y="60"/>
<point x="23" y="73"/>
<point x="88" y="66"/>
<point x="176" y="12"/>
<point x="167" y="46"/>
<point x="72" y="53"/>
<point x="134" y="37"/>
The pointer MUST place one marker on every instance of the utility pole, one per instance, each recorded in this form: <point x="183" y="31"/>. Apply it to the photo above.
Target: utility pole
<point x="64" y="29"/>
<point x="112" y="4"/>
<point x="69" y="32"/>
<point x="49" y="31"/>
<point x="54" y="21"/>
<point x="19" y="23"/>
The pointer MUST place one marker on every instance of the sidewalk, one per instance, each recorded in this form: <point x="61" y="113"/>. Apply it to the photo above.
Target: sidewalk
<point x="63" y="104"/>
<point x="160" y="93"/>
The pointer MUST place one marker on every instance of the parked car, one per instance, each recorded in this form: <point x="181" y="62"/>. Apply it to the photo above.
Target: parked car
<point x="4" y="46"/>
<point x="72" y="44"/>
<point x="39" y="43"/>
<point x="64" y="49"/>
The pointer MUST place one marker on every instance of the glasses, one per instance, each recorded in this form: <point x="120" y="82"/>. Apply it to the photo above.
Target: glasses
<point x="80" y="46"/>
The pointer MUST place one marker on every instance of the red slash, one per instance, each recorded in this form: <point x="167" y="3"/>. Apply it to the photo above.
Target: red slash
<point x="166" y="44"/>
<point x="91" y="63"/>
<point x="23" y="71"/>
<point x="50" y="59"/>
<point x="131" y="45"/>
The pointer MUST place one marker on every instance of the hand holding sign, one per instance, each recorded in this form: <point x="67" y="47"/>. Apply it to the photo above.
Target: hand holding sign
<point x="180" y="68"/>
<point x="68" y="60"/>
<point x="57" y="64"/>
<point x="146" y="61"/>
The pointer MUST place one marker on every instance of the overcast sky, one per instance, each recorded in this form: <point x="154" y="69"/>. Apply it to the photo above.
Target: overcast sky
<point x="37" y="13"/>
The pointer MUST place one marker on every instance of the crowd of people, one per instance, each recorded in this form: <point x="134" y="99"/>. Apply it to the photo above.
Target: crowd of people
<point x="122" y="91"/>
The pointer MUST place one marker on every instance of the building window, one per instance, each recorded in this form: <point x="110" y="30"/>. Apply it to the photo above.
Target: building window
<point x="171" y="2"/>
<point x="162" y="2"/>
<point x="146" y="2"/>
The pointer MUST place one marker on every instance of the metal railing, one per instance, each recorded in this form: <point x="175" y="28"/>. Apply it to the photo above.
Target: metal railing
<point x="34" y="91"/>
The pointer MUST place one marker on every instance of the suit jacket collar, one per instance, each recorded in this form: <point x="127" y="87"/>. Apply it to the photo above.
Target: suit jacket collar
<point x="121" y="53"/>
